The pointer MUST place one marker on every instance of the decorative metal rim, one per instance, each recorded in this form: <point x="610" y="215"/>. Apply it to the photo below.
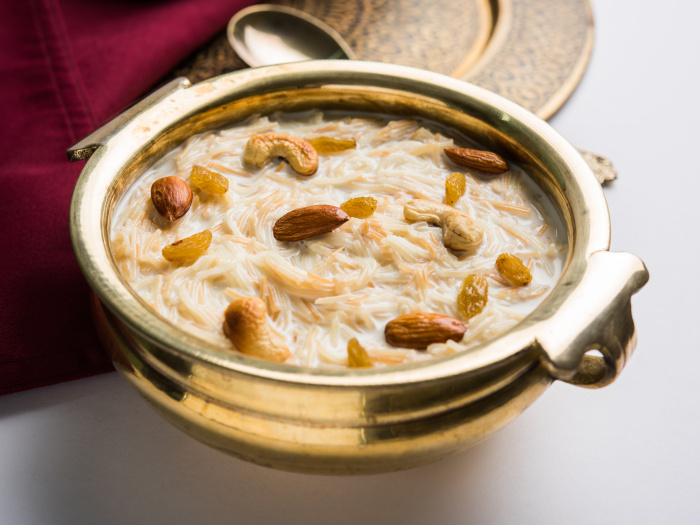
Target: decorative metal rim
<point x="516" y="43"/>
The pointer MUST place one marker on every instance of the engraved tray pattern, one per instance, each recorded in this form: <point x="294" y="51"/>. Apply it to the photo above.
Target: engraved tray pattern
<point x="533" y="52"/>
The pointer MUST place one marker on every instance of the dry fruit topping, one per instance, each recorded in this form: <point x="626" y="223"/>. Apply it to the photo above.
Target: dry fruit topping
<point x="309" y="221"/>
<point x="357" y="355"/>
<point x="209" y="181"/>
<point x="326" y="145"/>
<point x="420" y="329"/>
<point x="246" y="326"/>
<point x="459" y="231"/>
<point x="484" y="161"/>
<point x="455" y="186"/>
<point x="473" y="295"/>
<point x="189" y="249"/>
<point x="513" y="270"/>
<point x="359" y="207"/>
<point x="300" y="154"/>
<point x="171" y="196"/>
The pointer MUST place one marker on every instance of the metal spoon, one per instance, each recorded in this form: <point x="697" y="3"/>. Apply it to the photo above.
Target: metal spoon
<point x="265" y="34"/>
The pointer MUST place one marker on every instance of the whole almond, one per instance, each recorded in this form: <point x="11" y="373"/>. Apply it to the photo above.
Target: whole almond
<point x="303" y="223"/>
<point x="484" y="161"/>
<point x="420" y="329"/>
<point x="172" y="197"/>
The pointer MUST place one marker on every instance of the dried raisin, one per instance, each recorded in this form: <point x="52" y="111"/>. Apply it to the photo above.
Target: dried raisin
<point x="473" y="295"/>
<point x="325" y="145"/>
<point x="209" y="181"/>
<point x="455" y="185"/>
<point x="357" y="355"/>
<point x="189" y="249"/>
<point x="359" y="207"/>
<point x="513" y="269"/>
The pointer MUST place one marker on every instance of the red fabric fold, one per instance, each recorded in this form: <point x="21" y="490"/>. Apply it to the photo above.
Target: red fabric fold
<point x="67" y="67"/>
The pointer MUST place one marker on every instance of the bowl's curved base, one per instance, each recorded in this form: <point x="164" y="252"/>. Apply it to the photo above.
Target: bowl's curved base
<point x="299" y="446"/>
<point x="396" y="450"/>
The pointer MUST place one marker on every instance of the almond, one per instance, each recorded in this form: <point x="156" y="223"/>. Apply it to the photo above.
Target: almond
<point x="172" y="197"/>
<point x="484" y="161"/>
<point x="420" y="329"/>
<point x="303" y="223"/>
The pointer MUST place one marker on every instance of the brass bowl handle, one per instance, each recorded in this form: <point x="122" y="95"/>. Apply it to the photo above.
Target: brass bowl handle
<point x="86" y="147"/>
<point x="584" y="344"/>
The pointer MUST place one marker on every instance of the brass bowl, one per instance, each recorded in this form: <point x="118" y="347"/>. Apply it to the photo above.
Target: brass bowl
<point x="355" y="421"/>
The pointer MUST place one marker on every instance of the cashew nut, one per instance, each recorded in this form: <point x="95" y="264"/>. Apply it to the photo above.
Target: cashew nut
<point x="460" y="231"/>
<point x="245" y="324"/>
<point x="300" y="154"/>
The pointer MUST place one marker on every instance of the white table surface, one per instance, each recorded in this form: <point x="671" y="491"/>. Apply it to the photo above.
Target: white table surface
<point x="91" y="451"/>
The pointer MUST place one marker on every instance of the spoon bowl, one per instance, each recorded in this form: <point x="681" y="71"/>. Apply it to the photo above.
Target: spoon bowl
<point x="265" y="34"/>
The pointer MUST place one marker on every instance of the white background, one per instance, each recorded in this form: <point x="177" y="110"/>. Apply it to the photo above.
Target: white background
<point x="91" y="451"/>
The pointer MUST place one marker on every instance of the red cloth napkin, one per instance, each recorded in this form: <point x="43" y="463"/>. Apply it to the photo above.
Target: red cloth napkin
<point x="67" y="67"/>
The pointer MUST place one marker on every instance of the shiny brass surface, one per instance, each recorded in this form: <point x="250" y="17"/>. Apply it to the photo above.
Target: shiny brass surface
<point x="360" y="420"/>
<point x="351" y="432"/>
<point x="266" y="34"/>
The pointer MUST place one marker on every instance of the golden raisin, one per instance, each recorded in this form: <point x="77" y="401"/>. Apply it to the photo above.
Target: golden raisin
<point x="455" y="185"/>
<point x="325" y="145"/>
<point x="189" y="249"/>
<point x="473" y="295"/>
<point x="357" y="356"/>
<point x="209" y="181"/>
<point x="513" y="269"/>
<point x="359" y="207"/>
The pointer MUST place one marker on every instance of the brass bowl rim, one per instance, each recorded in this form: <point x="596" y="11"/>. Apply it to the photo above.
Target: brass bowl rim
<point x="590" y="232"/>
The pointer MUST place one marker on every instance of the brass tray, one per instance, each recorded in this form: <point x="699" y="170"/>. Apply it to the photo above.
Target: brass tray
<point x="533" y="52"/>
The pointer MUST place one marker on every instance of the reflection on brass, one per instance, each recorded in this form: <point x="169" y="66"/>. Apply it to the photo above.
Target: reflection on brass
<point x="533" y="52"/>
<point x="267" y="34"/>
<point x="363" y="420"/>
